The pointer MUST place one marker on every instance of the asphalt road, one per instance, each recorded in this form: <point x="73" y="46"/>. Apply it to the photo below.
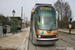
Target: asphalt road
<point x="20" y="41"/>
<point x="65" y="42"/>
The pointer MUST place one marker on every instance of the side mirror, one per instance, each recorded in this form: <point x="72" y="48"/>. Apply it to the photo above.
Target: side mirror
<point x="56" y="14"/>
<point x="33" y="11"/>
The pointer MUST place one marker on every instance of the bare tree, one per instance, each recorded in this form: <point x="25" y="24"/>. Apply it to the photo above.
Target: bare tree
<point x="67" y="13"/>
<point x="4" y="20"/>
<point x="64" y="13"/>
<point x="57" y="6"/>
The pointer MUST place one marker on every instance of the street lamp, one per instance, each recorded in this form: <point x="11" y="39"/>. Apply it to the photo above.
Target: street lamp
<point x="26" y="22"/>
<point x="21" y="15"/>
<point x="13" y="12"/>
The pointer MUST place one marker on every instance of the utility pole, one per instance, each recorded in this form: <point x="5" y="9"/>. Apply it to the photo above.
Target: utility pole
<point x="21" y="15"/>
<point x="26" y="22"/>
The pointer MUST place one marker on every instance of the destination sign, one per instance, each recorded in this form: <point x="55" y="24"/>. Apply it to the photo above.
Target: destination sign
<point x="45" y="8"/>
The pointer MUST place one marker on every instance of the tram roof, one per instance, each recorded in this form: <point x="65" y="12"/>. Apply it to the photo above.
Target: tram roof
<point x="19" y="18"/>
<point x="41" y="5"/>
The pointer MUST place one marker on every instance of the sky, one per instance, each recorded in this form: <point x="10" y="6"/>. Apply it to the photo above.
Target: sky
<point x="7" y="6"/>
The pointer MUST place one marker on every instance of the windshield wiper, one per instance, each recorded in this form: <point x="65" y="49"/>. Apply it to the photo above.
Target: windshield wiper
<point x="53" y="25"/>
<point x="39" y="18"/>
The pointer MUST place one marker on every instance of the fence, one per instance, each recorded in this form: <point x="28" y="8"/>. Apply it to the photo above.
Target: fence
<point x="1" y="30"/>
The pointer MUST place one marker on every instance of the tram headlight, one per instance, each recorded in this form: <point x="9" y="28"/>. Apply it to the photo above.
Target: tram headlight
<point x="57" y="35"/>
<point x="39" y="36"/>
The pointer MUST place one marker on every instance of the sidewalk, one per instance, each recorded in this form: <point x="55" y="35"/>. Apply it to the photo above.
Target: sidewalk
<point x="14" y="41"/>
<point x="7" y="35"/>
<point x="67" y="31"/>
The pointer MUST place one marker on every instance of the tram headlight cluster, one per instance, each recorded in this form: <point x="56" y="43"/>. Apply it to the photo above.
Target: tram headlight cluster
<point x="57" y="35"/>
<point x="39" y="36"/>
<point x="53" y="36"/>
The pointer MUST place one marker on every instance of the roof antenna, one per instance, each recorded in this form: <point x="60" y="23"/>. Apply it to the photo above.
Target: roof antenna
<point x="35" y="2"/>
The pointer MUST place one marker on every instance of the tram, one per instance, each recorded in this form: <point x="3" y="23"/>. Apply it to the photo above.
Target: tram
<point x="43" y="25"/>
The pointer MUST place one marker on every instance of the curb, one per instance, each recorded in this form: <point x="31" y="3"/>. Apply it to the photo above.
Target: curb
<point x="66" y="32"/>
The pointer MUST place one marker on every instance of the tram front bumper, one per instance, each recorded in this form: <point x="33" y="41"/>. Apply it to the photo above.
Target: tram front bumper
<point x="45" y="41"/>
<point x="49" y="39"/>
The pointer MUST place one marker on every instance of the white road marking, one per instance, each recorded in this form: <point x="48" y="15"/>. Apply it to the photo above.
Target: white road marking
<point x="24" y="40"/>
<point x="27" y="43"/>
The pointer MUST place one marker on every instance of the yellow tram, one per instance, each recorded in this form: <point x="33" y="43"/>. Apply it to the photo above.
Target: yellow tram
<point x="43" y="25"/>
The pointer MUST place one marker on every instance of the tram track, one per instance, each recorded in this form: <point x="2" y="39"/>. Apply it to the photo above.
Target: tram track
<point x="69" y="35"/>
<point x="50" y="47"/>
<point x="46" y="48"/>
<point x="40" y="47"/>
<point x="35" y="47"/>
<point x="66" y="41"/>
<point x="61" y="44"/>
<point x="67" y="38"/>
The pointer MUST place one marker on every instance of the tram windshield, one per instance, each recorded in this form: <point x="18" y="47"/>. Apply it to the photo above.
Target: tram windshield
<point x="46" y="20"/>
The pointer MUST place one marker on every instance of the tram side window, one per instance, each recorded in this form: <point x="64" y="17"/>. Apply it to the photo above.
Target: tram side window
<point x="31" y="22"/>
